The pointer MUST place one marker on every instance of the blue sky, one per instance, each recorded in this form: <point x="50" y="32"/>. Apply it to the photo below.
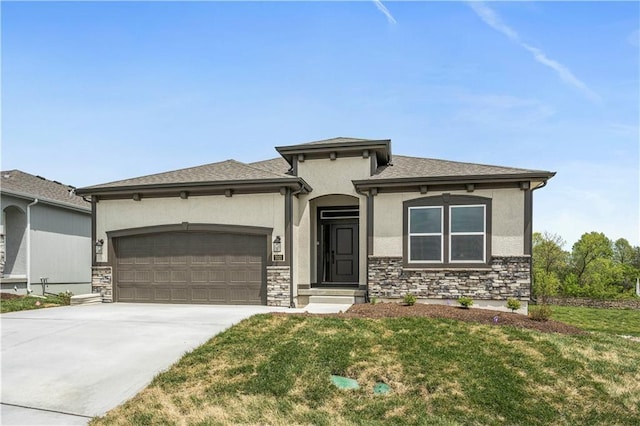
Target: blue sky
<point x="99" y="91"/>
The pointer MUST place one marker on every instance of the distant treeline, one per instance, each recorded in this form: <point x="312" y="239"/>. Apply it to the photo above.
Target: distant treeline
<point x="596" y="267"/>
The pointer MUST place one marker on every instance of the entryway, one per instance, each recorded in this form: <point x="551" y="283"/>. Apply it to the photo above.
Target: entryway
<point x="338" y="243"/>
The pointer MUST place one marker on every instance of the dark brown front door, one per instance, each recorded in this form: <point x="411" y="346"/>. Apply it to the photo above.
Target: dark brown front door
<point x="344" y="253"/>
<point x="191" y="267"/>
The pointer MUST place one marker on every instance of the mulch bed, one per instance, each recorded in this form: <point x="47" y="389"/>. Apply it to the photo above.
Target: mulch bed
<point x="483" y="316"/>
<point x="9" y="296"/>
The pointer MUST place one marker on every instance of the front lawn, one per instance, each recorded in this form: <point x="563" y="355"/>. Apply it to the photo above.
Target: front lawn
<point x="12" y="303"/>
<point x="275" y="369"/>
<point x="611" y="321"/>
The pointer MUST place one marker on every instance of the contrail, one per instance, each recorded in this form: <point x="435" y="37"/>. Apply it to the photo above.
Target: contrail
<point x="493" y="20"/>
<point x="381" y="7"/>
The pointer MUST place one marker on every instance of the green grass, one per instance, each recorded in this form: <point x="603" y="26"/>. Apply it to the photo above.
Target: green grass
<point x="29" y="302"/>
<point x="276" y="370"/>
<point x="611" y="321"/>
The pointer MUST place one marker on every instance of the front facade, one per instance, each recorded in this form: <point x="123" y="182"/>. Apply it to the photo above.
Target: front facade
<point x="45" y="236"/>
<point x="330" y="221"/>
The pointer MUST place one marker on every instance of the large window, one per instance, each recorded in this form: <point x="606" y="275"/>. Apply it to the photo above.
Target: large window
<point x="447" y="230"/>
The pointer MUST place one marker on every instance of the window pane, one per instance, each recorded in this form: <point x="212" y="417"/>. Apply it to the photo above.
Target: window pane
<point x="467" y="219"/>
<point x="426" y="248"/>
<point x="469" y="248"/>
<point x="425" y="220"/>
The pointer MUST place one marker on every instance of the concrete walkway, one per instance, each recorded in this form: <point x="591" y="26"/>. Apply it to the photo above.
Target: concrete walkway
<point x="66" y="365"/>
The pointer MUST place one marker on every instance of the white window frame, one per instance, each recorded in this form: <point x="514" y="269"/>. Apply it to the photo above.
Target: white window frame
<point x="426" y="234"/>
<point x="483" y="233"/>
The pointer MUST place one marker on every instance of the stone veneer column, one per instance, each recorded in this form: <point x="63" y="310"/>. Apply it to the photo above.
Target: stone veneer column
<point x="506" y="277"/>
<point x="278" y="283"/>
<point x="2" y="254"/>
<point x="102" y="282"/>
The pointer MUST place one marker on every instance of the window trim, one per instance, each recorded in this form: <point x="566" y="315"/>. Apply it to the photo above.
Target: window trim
<point x="426" y="234"/>
<point x="483" y="233"/>
<point x="446" y="201"/>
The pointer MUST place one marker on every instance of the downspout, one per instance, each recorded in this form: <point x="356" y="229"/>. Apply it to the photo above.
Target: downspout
<point x="369" y="243"/>
<point x="531" y="270"/>
<point x="289" y="242"/>
<point x="35" y="201"/>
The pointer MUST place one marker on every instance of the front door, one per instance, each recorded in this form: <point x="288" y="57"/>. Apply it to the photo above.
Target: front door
<point x="338" y="254"/>
<point x="344" y="253"/>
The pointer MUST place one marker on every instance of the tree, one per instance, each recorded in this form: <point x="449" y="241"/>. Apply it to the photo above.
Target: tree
<point x="591" y="247"/>
<point x="547" y="252"/>
<point x="623" y="253"/>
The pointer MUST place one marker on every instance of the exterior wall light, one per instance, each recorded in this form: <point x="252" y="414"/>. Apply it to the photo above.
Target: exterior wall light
<point x="277" y="245"/>
<point x="99" y="245"/>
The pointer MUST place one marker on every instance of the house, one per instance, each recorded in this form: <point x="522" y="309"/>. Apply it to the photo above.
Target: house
<point x="337" y="220"/>
<point x="45" y="236"/>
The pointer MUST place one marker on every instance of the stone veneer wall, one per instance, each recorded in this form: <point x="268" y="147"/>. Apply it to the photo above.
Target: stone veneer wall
<point x="594" y="303"/>
<point x="102" y="282"/>
<point x="507" y="277"/>
<point x="2" y="254"/>
<point x="278" y="283"/>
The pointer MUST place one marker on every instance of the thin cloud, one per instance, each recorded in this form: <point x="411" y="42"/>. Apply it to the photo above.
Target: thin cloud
<point x="381" y="7"/>
<point x="493" y="20"/>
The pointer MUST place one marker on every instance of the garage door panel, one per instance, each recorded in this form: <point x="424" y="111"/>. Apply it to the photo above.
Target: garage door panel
<point x="182" y="267"/>
<point x="162" y="276"/>
<point x="179" y="295"/>
<point x="163" y="294"/>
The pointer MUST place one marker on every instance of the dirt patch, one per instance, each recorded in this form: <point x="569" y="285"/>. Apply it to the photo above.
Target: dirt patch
<point x="483" y="316"/>
<point x="9" y="296"/>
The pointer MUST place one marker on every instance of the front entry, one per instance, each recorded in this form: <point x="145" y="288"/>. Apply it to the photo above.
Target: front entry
<point x="338" y="257"/>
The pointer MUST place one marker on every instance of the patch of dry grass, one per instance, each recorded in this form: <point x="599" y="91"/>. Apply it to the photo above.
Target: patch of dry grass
<point x="274" y="370"/>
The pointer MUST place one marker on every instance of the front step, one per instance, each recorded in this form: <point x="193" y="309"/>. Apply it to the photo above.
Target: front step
<point x="86" y="299"/>
<point x="339" y="296"/>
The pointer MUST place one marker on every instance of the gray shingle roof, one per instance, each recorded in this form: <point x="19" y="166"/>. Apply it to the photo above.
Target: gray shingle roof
<point x="416" y="167"/>
<point x="17" y="182"/>
<point x="340" y="139"/>
<point x="274" y="165"/>
<point x="224" y="171"/>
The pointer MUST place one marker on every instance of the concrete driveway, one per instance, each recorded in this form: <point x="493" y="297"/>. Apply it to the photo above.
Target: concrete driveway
<point x="65" y="365"/>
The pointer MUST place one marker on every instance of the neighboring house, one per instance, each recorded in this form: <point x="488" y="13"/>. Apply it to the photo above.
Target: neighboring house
<point x="330" y="221"/>
<point x="45" y="236"/>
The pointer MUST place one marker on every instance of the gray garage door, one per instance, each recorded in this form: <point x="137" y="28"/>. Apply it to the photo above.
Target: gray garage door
<point x="191" y="267"/>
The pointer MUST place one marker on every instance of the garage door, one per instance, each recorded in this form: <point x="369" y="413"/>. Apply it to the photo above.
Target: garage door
<point x="191" y="267"/>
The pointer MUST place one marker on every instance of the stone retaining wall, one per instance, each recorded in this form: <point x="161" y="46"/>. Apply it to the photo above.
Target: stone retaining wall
<point x="594" y="303"/>
<point x="506" y="277"/>
<point x="102" y="282"/>
<point x="278" y="283"/>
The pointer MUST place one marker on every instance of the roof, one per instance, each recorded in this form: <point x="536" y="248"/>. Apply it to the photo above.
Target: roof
<point x="342" y="145"/>
<point x="21" y="184"/>
<point x="214" y="174"/>
<point x="417" y="167"/>
<point x="277" y="172"/>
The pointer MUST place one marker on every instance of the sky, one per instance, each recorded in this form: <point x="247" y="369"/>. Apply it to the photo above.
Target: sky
<point x="94" y="92"/>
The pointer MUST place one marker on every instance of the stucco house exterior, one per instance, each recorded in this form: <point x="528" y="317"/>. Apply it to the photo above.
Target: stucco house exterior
<point x="337" y="220"/>
<point x="45" y="236"/>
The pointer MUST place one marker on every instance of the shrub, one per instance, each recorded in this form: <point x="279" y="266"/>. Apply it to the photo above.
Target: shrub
<point x="513" y="304"/>
<point x="410" y="299"/>
<point x="540" y="312"/>
<point x="465" y="302"/>
<point x="373" y="300"/>
<point x="65" y="297"/>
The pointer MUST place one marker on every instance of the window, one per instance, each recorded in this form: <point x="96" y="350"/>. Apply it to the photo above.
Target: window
<point x="447" y="230"/>
<point x="425" y="234"/>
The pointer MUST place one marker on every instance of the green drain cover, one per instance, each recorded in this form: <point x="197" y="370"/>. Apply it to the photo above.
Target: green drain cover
<point x="344" y="382"/>
<point x="381" y="388"/>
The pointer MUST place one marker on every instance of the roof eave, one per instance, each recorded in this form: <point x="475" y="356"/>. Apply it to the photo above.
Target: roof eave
<point x="275" y="183"/>
<point x="444" y="180"/>
<point x="45" y="200"/>
<point x="382" y="147"/>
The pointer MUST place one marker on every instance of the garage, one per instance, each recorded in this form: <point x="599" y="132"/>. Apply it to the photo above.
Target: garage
<point x="191" y="267"/>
